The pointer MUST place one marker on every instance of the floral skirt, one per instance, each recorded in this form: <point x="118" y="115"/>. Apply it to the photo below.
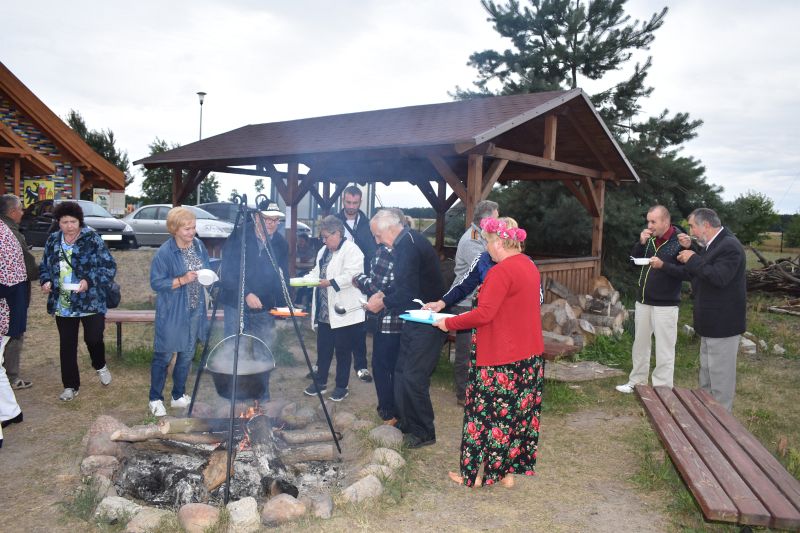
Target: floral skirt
<point x="501" y="419"/>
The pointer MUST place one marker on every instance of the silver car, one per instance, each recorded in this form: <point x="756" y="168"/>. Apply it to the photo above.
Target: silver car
<point x="150" y="224"/>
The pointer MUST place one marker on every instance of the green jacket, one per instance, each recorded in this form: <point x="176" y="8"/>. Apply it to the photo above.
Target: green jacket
<point x="31" y="268"/>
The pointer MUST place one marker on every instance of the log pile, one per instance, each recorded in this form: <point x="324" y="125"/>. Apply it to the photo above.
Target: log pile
<point x="576" y="319"/>
<point x="782" y="275"/>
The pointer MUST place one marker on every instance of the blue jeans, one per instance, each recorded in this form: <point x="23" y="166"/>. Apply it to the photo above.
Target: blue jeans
<point x="183" y="363"/>
<point x="259" y="324"/>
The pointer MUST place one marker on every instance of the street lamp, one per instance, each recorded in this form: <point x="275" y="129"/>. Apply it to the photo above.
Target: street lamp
<point x="201" y="95"/>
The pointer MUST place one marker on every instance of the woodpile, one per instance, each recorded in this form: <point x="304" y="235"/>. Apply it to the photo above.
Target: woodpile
<point x="576" y="319"/>
<point x="782" y="275"/>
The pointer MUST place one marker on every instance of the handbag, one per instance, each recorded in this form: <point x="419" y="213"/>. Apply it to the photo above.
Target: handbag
<point x="113" y="292"/>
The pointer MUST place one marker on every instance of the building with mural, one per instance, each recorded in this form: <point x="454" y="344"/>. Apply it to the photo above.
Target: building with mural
<point x="41" y="157"/>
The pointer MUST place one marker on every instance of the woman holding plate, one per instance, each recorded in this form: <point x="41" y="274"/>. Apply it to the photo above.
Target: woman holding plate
<point x="180" y="307"/>
<point x="503" y="397"/>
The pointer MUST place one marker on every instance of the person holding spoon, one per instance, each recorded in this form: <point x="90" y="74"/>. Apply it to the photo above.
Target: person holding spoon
<point x="657" y="300"/>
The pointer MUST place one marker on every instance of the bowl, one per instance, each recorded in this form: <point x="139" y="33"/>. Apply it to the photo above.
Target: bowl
<point x="207" y="277"/>
<point x="421" y="314"/>
<point x="641" y="261"/>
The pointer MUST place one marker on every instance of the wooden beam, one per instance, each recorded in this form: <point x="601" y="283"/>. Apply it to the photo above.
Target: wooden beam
<point x="474" y="185"/>
<point x="17" y="176"/>
<point x="578" y="193"/>
<point x="528" y="159"/>
<point x="427" y="191"/>
<point x="2" y="179"/>
<point x="177" y="181"/>
<point x="452" y="199"/>
<point x="449" y="176"/>
<point x="550" y="129"/>
<point x="590" y="143"/>
<point x="591" y="196"/>
<point x="440" y="215"/>
<point x="294" y="189"/>
<point x="492" y="175"/>
<point x="11" y="150"/>
<point x="597" y="223"/>
<point x="282" y="188"/>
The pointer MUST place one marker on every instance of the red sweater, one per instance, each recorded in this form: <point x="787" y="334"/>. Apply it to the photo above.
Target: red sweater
<point x="508" y="315"/>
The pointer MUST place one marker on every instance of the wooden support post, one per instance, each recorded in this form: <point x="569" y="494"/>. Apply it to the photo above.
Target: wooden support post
<point x="177" y="178"/>
<point x="550" y="129"/>
<point x="474" y="186"/>
<point x="326" y="195"/>
<point x="17" y="169"/>
<point x="597" y="223"/>
<point x="76" y="181"/>
<point x="294" y="195"/>
<point x="2" y="177"/>
<point x="440" y="215"/>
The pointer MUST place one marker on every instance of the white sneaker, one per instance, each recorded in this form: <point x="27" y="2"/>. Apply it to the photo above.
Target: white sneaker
<point x="105" y="375"/>
<point x="68" y="395"/>
<point x="626" y="389"/>
<point x="181" y="402"/>
<point x="157" y="408"/>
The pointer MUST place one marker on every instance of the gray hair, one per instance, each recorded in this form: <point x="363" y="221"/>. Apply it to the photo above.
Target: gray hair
<point x="709" y="216"/>
<point x="387" y="218"/>
<point x="331" y="224"/>
<point x="484" y="209"/>
<point x="8" y="202"/>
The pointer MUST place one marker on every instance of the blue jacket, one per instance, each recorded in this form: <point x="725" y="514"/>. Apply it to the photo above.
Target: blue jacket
<point x="91" y="261"/>
<point x="172" y="305"/>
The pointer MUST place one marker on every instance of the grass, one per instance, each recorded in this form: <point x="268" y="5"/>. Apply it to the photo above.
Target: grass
<point x="82" y="503"/>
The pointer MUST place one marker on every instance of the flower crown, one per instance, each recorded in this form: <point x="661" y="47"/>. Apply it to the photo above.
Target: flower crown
<point x="501" y="229"/>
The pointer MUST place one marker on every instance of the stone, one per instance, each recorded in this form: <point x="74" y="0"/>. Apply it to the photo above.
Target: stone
<point x="197" y="517"/>
<point x="321" y="505"/>
<point x="762" y="345"/>
<point x="364" y="489"/>
<point x="362" y="424"/>
<point x="343" y="420"/>
<point x="281" y="509"/>
<point x="105" y="465"/>
<point x="387" y="436"/>
<point x="748" y="335"/>
<point x="688" y="330"/>
<point x="390" y="458"/>
<point x="778" y="350"/>
<point x="114" y="508"/>
<point x="244" y="516"/>
<point x="558" y="338"/>
<point x="746" y="346"/>
<point x="103" y="485"/>
<point x="99" y="443"/>
<point x="273" y="408"/>
<point x="147" y="519"/>
<point x="379" y="471"/>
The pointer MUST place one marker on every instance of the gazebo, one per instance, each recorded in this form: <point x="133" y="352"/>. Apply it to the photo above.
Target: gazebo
<point x="465" y="146"/>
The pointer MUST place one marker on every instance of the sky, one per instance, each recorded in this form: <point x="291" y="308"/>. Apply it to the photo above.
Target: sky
<point x="135" y="68"/>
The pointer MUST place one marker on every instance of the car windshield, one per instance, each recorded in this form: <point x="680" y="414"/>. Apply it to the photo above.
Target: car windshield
<point x="200" y="213"/>
<point x="91" y="209"/>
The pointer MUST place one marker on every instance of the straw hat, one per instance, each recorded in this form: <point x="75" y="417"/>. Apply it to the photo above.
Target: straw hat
<point x="273" y="211"/>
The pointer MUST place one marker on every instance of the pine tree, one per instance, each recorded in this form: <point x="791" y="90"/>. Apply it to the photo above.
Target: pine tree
<point x="103" y="142"/>
<point x="157" y="184"/>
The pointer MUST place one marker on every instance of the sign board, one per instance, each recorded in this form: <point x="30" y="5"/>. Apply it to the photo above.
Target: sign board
<point x="100" y="197"/>
<point x="35" y="190"/>
<point x="113" y="201"/>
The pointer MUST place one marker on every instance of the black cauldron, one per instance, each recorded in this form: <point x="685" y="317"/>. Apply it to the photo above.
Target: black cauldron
<point x="255" y="363"/>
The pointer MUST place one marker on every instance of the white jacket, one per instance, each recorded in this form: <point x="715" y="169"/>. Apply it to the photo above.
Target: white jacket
<point x="346" y="262"/>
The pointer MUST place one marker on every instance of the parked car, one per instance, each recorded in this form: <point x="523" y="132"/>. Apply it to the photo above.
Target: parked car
<point x="37" y="223"/>
<point x="150" y="224"/>
<point x="228" y="211"/>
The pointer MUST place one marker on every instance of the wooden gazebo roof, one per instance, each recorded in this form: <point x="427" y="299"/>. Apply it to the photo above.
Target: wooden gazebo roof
<point x="468" y="145"/>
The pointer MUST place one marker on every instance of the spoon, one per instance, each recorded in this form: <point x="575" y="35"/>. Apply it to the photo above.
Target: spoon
<point x="341" y="310"/>
<point x="417" y="300"/>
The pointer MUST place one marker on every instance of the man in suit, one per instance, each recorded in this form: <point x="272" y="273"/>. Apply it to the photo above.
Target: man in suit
<point x="719" y="287"/>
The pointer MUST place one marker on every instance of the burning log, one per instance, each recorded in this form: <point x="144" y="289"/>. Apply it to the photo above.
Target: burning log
<point x="265" y="450"/>
<point x="155" y="432"/>
<point x="214" y="472"/>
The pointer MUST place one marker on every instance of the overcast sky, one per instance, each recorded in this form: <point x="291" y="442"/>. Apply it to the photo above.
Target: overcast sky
<point x="135" y="67"/>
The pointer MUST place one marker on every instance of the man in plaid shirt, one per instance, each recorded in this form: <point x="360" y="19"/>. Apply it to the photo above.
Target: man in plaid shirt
<point x="386" y="341"/>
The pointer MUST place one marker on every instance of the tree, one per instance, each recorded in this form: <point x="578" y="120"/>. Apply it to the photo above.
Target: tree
<point x="555" y="45"/>
<point x="103" y="142"/>
<point x="750" y="216"/>
<point x="791" y="235"/>
<point x="157" y="184"/>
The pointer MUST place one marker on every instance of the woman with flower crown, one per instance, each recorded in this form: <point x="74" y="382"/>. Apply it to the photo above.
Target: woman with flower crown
<point x="503" y="403"/>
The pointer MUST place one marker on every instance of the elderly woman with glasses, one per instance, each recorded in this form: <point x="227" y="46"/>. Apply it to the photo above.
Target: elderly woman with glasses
<point x="503" y="397"/>
<point x="338" y="261"/>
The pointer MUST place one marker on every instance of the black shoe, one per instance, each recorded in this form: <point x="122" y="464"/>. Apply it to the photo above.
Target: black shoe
<point x="311" y="390"/>
<point x="412" y="441"/>
<point x="339" y="394"/>
<point x="16" y="420"/>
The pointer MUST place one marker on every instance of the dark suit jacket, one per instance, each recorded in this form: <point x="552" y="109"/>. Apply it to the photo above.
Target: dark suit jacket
<point x="416" y="273"/>
<point x="719" y="287"/>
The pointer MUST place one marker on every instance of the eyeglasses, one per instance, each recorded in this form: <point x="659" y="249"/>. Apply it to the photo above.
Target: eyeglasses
<point x="325" y="236"/>
<point x="273" y="220"/>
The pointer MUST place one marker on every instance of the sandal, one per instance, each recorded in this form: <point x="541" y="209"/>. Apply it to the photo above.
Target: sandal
<point x="20" y="383"/>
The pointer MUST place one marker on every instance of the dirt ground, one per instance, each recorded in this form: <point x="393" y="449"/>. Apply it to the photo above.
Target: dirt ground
<point x="583" y="480"/>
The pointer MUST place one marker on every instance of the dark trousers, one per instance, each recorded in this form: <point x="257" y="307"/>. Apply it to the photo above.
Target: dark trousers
<point x="93" y="326"/>
<point x="359" y="343"/>
<point x="420" y="348"/>
<point x="461" y="363"/>
<point x="385" y="347"/>
<point x="340" y="341"/>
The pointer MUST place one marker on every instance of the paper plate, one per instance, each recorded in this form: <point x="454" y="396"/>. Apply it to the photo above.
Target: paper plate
<point x="641" y="261"/>
<point x="304" y="282"/>
<point x="71" y="286"/>
<point x="436" y="317"/>
<point x="207" y="277"/>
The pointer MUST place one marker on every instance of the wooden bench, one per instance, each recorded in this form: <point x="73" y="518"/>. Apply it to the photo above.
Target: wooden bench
<point x="120" y="316"/>
<point x="729" y="472"/>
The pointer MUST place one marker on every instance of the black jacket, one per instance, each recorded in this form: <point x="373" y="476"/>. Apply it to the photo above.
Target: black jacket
<point x="719" y="286"/>
<point x="260" y="276"/>
<point x="416" y="273"/>
<point x="361" y="235"/>
<point x="661" y="287"/>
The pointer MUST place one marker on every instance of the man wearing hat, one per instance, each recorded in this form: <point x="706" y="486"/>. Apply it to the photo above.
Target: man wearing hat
<point x="272" y="218"/>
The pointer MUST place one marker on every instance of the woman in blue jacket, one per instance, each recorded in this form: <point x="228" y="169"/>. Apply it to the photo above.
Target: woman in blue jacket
<point x="180" y="307"/>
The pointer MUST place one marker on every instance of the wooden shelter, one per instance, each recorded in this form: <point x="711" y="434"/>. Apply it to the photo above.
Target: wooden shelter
<point x="36" y="144"/>
<point x="467" y="146"/>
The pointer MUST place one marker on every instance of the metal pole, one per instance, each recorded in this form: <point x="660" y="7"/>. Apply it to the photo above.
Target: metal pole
<point x="201" y="95"/>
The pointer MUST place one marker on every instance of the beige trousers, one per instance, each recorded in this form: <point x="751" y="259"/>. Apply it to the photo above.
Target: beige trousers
<point x="662" y="323"/>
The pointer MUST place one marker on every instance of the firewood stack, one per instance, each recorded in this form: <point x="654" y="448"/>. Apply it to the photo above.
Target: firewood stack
<point x="781" y="275"/>
<point x="577" y="319"/>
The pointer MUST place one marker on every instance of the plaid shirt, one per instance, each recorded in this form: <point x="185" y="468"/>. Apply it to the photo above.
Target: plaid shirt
<point x="381" y="276"/>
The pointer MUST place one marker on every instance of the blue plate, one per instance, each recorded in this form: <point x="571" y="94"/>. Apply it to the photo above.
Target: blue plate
<point x="429" y="321"/>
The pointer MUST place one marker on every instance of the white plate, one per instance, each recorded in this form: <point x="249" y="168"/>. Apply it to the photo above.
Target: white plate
<point x="207" y="277"/>
<point x="641" y="261"/>
<point x="71" y="286"/>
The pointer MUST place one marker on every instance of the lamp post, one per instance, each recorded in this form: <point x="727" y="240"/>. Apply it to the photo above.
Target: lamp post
<point x="201" y="95"/>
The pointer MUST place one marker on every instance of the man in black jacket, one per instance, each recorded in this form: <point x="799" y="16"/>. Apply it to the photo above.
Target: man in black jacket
<point x="719" y="286"/>
<point x="356" y="227"/>
<point x="656" y="300"/>
<point x="416" y="275"/>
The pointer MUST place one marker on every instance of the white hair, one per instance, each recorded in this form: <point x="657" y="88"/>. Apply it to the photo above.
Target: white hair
<point x="385" y="219"/>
